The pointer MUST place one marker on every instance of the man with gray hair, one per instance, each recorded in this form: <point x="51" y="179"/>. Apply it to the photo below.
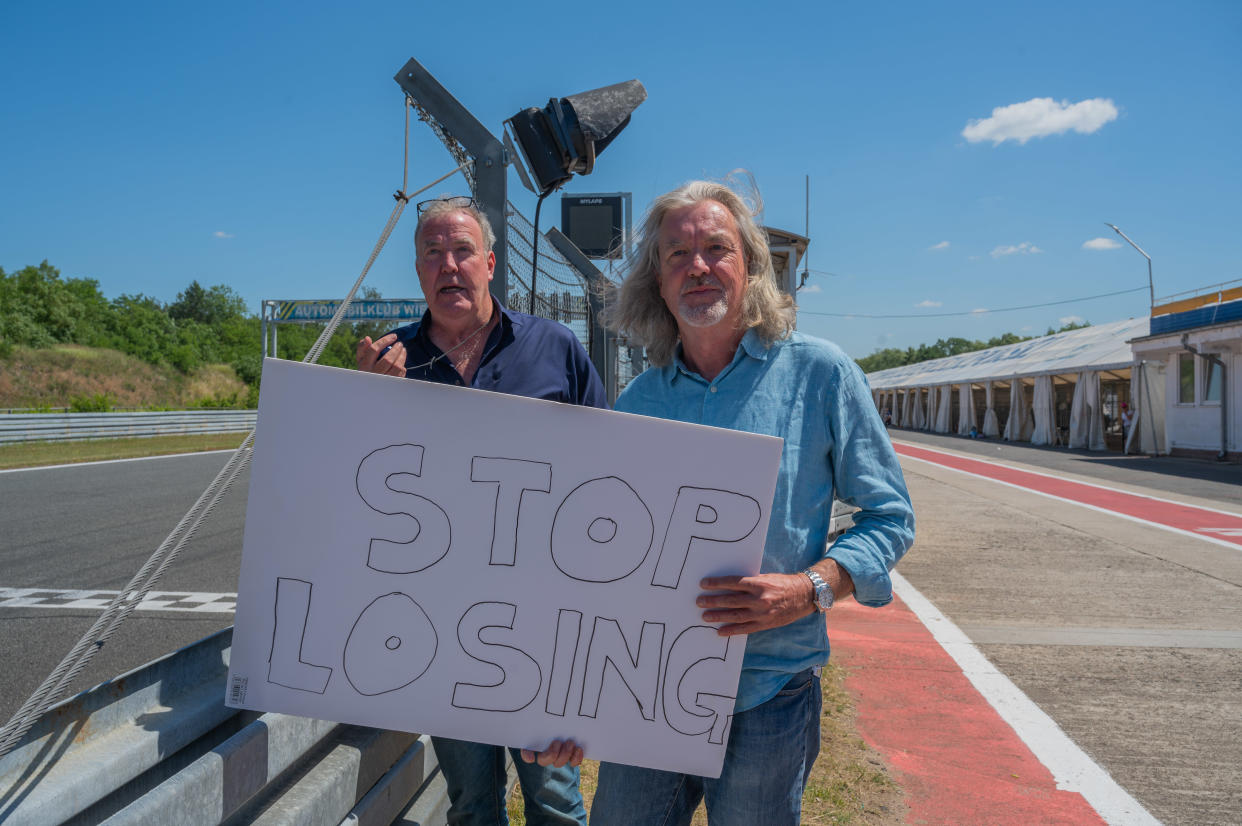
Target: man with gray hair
<point x="702" y="297"/>
<point x="467" y="338"/>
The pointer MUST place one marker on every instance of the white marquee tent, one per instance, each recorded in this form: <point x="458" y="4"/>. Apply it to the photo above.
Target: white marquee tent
<point x="1025" y="370"/>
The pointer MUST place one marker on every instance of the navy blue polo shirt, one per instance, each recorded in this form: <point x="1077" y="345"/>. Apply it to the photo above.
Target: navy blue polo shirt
<point x="524" y="356"/>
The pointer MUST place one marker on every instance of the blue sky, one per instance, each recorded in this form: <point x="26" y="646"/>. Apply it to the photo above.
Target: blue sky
<point x="258" y="144"/>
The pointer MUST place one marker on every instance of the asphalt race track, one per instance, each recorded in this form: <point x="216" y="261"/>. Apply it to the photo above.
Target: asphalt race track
<point x="92" y="526"/>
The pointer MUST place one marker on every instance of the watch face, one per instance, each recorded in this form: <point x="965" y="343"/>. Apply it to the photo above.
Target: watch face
<point x="823" y="593"/>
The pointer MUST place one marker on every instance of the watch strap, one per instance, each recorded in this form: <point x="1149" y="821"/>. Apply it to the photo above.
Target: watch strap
<point x="822" y="597"/>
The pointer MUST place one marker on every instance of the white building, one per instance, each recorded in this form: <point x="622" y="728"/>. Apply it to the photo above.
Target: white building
<point x="1187" y="383"/>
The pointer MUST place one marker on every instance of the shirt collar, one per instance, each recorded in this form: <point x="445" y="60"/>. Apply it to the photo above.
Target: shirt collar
<point x="502" y="334"/>
<point x="751" y="345"/>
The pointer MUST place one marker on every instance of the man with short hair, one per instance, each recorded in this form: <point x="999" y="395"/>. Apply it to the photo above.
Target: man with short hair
<point x="702" y="297"/>
<point x="467" y="338"/>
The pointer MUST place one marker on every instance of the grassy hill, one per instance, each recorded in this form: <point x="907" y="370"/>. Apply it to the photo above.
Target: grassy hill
<point x="68" y="375"/>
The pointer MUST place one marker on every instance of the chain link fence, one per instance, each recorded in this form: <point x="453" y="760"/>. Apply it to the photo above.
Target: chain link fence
<point x="561" y="294"/>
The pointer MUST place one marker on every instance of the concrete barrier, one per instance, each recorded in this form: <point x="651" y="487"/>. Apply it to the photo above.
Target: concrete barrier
<point x="158" y="745"/>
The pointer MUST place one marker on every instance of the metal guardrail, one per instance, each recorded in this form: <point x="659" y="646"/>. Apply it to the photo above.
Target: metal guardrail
<point x="158" y="745"/>
<point x="30" y="427"/>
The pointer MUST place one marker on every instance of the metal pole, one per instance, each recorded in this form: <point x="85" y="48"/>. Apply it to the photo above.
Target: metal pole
<point x="597" y="347"/>
<point x="490" y="158"/>
<point x="1224" y="411"/>
<point x="1151" y="290"/>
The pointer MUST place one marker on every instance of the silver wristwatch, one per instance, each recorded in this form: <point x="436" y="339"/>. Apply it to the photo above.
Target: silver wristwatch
<point x="823" y="594"/>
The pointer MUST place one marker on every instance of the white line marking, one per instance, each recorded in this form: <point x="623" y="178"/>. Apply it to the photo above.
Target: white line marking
<point x="1071" y="768"/>
<point x="1025" y="469"/>
<point x="1223" y="543"/>
<point x="114" y="461"/>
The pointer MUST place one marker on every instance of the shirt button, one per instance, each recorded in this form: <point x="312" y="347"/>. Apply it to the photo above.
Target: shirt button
<point x="713" y="388"/>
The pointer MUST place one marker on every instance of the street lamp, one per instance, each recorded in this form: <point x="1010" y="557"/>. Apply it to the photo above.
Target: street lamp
<point x="1150" y="289"/>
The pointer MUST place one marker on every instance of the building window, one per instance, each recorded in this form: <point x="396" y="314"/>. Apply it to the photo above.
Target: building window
<point x="1185" y="378"/>
<point x="1211" y="383"/>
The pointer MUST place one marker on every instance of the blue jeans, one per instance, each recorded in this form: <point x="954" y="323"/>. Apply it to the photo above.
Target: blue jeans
<point x="771" y="749"/>
<point x="475" y="774"/>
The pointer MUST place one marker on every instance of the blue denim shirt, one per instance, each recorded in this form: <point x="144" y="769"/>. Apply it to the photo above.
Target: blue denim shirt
<point x="808" y="392"/>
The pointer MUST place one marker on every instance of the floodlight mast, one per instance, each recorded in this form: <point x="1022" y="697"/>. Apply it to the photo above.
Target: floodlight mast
<point x="490" y="157"/>
<point x="1150" y="288"/>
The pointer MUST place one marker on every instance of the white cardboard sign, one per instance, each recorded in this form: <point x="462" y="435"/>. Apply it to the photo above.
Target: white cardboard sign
<point x="493" y="568"/>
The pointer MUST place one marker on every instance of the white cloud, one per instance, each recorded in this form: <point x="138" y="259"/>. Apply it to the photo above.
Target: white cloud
<point x="980" y="310"/>
<point x="221" y="234"/>
<point x="811" y="288"/>
<point x="943" y="245"/>
<point x="1072" y="319"/>
<point x="972" y="258"/>
<point x="929" y="303"/>
<point x="1040" y="117"/>
<point x="1101" y="244"/>
<point x="1025" y="248"/>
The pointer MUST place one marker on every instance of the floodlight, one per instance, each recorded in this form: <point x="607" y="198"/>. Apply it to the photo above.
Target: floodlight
<point x="567" y="135"/>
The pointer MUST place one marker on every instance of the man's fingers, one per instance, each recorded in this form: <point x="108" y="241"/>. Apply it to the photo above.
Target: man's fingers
<point x="368" y="358"/>
<point x="738" y="628"/>
<point x="727" y="583"/>
<point x="556" y="754"/>
<point x="361" y="352"/>
<point x="729" y="615"/>
<point x="559" y="753"/>
<point x="394" y="360"/>
<point x="732" y="599"/>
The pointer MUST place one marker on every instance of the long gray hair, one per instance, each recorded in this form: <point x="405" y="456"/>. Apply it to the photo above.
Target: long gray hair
<point x="637" y="308"/>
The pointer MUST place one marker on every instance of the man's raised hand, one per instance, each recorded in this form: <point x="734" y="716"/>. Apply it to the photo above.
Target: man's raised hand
<point x="368" y="356"/>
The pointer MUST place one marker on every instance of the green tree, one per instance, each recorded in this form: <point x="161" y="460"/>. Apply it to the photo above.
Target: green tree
<point x="212" y="306"/>
<point x="892" y="357"/>
<point x="139" y="326"/>
<point x="1065" y="328"/>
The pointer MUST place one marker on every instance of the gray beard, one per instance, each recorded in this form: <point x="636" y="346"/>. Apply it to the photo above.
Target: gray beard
<point x="703" y="315"/>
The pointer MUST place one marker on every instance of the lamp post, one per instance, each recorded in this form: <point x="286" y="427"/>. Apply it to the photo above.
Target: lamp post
<point x="1150" y="289"/>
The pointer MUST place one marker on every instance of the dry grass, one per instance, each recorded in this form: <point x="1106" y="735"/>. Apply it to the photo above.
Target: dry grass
<point x="213" y="381"/>
<point x="38" y="454"/>
<point x="56" y="376"/>
<point x="850" y="783"/>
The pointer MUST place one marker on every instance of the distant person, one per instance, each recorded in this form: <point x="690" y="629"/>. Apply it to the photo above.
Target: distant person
<point x="702" y="297"/>
<point x="974" y="432"/>
<point x="468" y="338"/>
<point x="1127" y="419"/>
